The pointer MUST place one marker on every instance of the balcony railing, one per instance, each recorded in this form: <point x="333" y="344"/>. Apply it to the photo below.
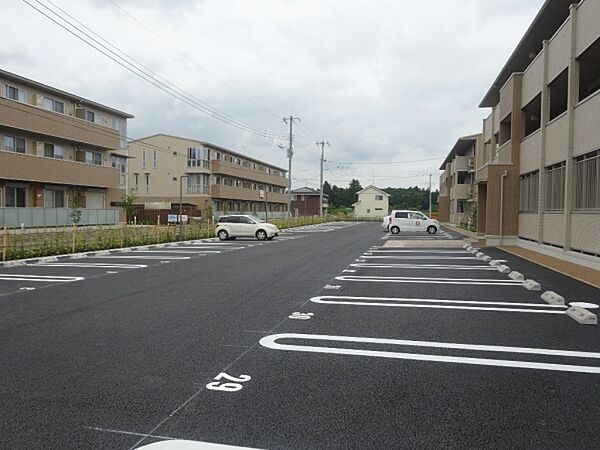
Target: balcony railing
<point x="26" y="167"/>
<point x="23" y="116"/>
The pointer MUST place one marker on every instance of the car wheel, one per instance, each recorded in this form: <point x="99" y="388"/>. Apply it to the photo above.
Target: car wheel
<point x="261" y="235"/>
<point x="431" y="229"/>
<point x="395" y="230"/>
<point x="223" y="235"/>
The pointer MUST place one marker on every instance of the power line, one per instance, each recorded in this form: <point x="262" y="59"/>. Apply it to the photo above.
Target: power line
<point x="190" y="59"/>
<point x="387" y="162"/>
<point x="144" y="72"/>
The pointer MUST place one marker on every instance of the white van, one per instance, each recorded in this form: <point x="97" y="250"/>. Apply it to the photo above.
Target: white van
<point x="403" y="220"/>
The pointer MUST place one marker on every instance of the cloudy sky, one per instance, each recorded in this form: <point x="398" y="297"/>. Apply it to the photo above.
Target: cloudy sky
<point x="387" y="83"/>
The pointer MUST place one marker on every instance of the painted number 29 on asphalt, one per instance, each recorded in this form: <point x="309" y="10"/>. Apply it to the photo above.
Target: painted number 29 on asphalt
<point x="227" y="387"/>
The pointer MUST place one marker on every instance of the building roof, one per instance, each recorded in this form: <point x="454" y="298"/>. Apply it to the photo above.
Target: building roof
<point x="208" y="144"/>
<point x="307" y="191"/>
<point x="75" y="98"/>
<point x="547" y="22"/>
<point x="372" y="187"/>
<point x="460" y="148"/>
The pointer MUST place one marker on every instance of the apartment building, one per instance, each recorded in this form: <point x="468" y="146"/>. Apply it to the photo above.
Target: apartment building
<point x="56" y="147"/>
<point x="458" y="190"/>
<point x="213" y="176"/>
<point x="538" y="174"/>
<point x="306" y="202"/>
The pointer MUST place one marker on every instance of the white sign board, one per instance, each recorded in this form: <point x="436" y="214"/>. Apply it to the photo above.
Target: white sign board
<point x="174" y="218"/>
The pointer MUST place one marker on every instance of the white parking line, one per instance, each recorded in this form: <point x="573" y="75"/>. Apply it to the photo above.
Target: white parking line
<point x="420" y="251"/>
<point x="48" y="278"/>
<point x="196" y="247"/>
<point x="418" y="257"/>
<point x="440" y="304"/>
<point x="424" y="266"/>
<point x="141" y="257"/>
<point x="92" y="265"/>
<point x="463" y="281"/>
<point x="271" y="342"/>
<point x="175" y="251"/>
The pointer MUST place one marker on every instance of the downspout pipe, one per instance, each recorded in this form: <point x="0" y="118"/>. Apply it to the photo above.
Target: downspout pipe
<point x="504" y="175"/>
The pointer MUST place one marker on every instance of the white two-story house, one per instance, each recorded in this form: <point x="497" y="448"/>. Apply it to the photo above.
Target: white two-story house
<point x="372" y="202"/>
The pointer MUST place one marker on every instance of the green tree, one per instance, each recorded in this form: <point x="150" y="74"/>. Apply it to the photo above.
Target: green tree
<point x="75" y="205"/>
<point x="128" y="206"/>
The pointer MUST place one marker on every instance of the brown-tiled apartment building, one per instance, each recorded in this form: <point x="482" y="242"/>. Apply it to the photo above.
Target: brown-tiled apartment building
<point x="56" y="146"/>
<point x="306" y="202"/>
<point x="538" y="174"/>
<point x="457" y="182"/>
<point x="217" y="177"/>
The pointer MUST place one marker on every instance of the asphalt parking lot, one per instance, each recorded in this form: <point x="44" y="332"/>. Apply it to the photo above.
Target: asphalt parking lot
<point x="326" y="337"/>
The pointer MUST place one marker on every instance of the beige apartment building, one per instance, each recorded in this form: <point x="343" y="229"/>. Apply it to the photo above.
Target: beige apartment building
<point x="56" y="147"/>
<point x="225" y="180"/>
<point x="458" y="191"/>
<point x="538" y="174"/>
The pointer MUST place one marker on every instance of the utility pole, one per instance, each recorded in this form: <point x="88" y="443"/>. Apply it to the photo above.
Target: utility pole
<point x="322" y="144"/>
<point x="290" y="153"/>
<point x="430" y="196"/>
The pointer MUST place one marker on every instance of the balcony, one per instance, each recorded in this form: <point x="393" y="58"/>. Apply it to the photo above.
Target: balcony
<point x="21" y="116"/>
<point x="24" y="167"/>
<point x="461" y="192"/>
<point x="236" y="193"/>
<point x="224" y="168"/>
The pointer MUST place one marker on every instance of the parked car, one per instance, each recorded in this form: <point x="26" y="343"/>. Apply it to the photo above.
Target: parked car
<point x="238" y="225"/>
<point x="403" y="220"/>
<point x="385" y="225"/>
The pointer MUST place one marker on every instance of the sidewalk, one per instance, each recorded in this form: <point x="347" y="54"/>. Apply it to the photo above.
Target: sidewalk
<point x="576" y="271"/>
<point x="465" y="233"/>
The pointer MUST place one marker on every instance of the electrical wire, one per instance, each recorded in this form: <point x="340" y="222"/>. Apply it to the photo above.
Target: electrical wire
<point x="144" y="72"/>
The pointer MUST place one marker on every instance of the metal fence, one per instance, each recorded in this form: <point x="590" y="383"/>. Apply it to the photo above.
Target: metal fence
<point x="260" y="214"/>
<point x="55" y="217"/>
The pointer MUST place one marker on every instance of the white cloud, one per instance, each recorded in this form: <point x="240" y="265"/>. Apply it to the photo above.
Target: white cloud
<point x="383" y="81"/>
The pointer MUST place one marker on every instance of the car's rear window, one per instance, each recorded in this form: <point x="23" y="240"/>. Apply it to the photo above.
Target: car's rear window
<point x="401" y="215"/>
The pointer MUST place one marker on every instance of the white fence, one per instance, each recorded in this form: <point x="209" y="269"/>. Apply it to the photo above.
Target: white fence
<point x="53" y="217"/>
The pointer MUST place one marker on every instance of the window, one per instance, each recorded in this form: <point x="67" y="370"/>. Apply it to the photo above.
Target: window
<point x="143" y="158"/>
<point x="589" y="71"/>
<point x="532" y="115"/>
<point x="401" y="215"/>
<point x="238" y="161"/>
<point x="154" y="162"/>
<point x="378" y="209"/>
<point x="89" y="157"/>
<point x="529" y="188"/>
<point x="379" y="198"/>
<point x="120" y="163"/>
<point x="417" y="216"/>
<point x="198" y="157"/>
<point x="587" y="181"/>
<point x="216" y="180"/>
<point x="54" y="151"/>
<point x="54" y="198"/>
<point x="53" y="105"/>
<point x="368" y="211"/>
<point x="14" y="144"/>
<point x="15" y="93"/>
<point x="136" y="181"/>
<point x="147" y="183"/>
<point x="227" y="158"/>
<point x="246" y="164"/>
<point x="555" y="187"/>
<point x="227" y="181"/>
<point x="558" y="89"/>
<point x="246" y="185"/>
<point x="15" y="197"/>
<point x="198" y="183"/>
<point x="90" y="116"/>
